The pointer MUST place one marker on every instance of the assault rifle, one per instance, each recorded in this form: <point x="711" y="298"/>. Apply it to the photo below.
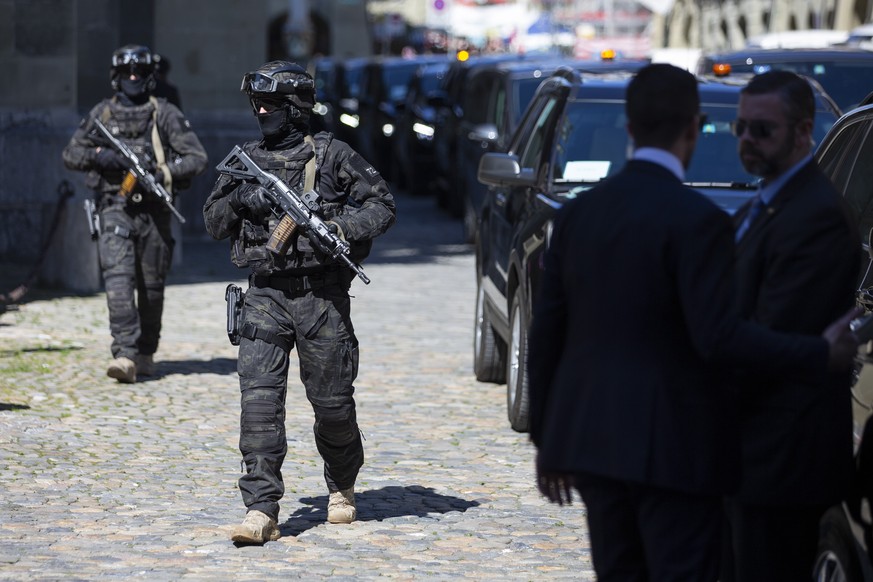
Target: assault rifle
<point x="297" y="211"/>
<point x="137" y="172"/>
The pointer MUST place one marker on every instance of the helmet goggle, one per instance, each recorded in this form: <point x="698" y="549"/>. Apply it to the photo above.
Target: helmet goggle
<point x="137" y="63"/>
<point x="260" y="83"/>
<point x="129" y="58"/>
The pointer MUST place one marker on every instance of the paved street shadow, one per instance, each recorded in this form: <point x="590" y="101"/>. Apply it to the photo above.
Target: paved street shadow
<point x="377" y="505"/>
<point x="222" y="366"/>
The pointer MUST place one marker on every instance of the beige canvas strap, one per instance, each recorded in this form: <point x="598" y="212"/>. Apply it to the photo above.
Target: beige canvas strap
<point x="309" y="169"/>
<point x="160" y="158"/>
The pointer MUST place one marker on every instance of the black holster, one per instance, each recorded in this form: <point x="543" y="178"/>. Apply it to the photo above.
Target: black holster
<point x="234" y="296"/>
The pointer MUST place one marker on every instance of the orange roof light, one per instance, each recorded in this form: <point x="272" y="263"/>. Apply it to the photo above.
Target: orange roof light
<point x="607" y="54"/>
<point x="721" y="69"/>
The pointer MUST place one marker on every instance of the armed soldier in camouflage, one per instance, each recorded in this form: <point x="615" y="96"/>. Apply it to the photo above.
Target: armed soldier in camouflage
<point x="135" y="244"/>
<point x="298" y="295"/>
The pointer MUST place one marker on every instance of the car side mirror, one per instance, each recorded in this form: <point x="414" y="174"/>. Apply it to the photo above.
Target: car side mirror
<point x="497" y="169"/>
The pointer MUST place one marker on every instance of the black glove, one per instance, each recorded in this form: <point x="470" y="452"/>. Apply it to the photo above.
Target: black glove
<point x="253" y="199"/>
<point x="108" y="159"/>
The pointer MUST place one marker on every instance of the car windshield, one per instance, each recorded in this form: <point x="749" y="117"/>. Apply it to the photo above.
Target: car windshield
<point x="431" y="79"/>
<point x="847" y="82"/>
<point x="352" y="81"/>
<point x="396" y="78"/>
<point x="593" y="144"/>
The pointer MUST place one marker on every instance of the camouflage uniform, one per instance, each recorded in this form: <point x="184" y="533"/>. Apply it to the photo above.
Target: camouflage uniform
<point x="135" y="245"/>
<point x="300" y="299"/>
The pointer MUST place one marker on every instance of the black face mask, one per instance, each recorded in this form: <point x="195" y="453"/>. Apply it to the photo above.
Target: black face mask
<point x="272" y="123"/>
<point x="133" y="87"/>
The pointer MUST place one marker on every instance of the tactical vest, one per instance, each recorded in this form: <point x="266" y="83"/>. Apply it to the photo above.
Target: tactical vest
<point x="133" y="126"/>
<point x="248" y="244"/>
<point x="137" y="127"/>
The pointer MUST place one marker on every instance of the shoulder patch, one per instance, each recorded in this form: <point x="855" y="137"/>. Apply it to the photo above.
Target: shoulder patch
<point x="365" y="169"/>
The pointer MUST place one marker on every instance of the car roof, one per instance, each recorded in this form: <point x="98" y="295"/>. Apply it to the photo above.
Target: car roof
<point x="711" y="90"/>
<point x="791" y="55"/>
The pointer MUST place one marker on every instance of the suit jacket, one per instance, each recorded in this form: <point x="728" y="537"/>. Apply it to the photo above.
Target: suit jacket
<point x="632" y="333"/>
<point x="797" y="271"/>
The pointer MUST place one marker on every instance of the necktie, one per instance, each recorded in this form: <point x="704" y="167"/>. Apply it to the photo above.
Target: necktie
<point x="756" y="208"/>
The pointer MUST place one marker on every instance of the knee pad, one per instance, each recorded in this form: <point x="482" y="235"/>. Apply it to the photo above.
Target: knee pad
<point x="336" y="426"/>
<point x="262" y="421"/>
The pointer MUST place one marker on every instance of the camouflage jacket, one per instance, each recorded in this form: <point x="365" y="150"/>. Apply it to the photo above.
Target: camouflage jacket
<point x="184" y="155"/>
<point x="350" y="191"/>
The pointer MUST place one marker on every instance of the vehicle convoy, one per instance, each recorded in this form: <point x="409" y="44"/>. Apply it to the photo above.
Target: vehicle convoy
<point x="572" y="136"/>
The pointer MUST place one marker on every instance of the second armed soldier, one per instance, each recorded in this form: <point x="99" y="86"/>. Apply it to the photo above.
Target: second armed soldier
<point x="135" y="243"/>
<point x="299" y="296"/>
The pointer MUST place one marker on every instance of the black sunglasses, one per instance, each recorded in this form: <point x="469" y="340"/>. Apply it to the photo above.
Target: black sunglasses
<point x="758" y="128"/>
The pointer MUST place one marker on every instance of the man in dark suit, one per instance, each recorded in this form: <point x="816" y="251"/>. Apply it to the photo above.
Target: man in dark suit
<point x="632" y="336"/>
<point x="798" y="262"/>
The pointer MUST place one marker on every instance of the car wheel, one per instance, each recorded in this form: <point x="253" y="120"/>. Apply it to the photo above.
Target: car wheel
<point x="836" y="559"/>
<point x="517" y="397"/>
<point x="489" y="352"/>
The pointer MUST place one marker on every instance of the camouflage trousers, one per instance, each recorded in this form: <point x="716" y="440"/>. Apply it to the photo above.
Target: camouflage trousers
<point x="135" y="250"/>
<point x="319" y="323"/>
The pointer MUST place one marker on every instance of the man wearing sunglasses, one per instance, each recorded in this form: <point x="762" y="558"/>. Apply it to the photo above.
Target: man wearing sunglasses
<point x="797" y="265"/>
<point x="135" y="244"/>
<point x="297" y="296"/>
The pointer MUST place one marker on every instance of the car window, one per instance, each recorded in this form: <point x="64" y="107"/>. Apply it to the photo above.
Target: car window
<point x="591" y="142"/>
<point x="837" y="159"/>
<point x="352" y="81"/>
<point x="859" y="188"/>
<point x="524" y="90"/>
<point x="498" y="106"/>
<point x="476" y="97"/>
<point x="532" y="154"/>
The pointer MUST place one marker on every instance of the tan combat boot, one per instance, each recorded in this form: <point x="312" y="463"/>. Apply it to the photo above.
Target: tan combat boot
<point x="341" y="506"/>
<point x="122" y="369"/>
<point x="256" y="528"/>
<point x="145" y="365"/>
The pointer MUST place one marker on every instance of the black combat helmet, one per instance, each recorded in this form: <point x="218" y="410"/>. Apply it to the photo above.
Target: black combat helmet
<point x="280" y="81"/>
<point x="136" y="59"/>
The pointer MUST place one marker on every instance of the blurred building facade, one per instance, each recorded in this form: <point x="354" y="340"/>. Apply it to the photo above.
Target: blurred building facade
<point x="55" y="56"/>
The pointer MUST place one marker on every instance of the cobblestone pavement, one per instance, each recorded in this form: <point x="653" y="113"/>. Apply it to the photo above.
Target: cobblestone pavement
<point x="103" y="481"/>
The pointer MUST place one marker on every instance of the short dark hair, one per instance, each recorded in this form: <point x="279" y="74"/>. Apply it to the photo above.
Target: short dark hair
<point x="661" y="101"/>
<point x="794" y="91"/>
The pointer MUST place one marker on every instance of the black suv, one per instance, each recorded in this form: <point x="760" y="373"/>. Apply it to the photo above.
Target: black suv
<point x="416" y="126"/>
<point x="846" y="536"/>
<point x="493" y="102"/>
<point x="384" y="82"/>
<point x="845" y="73"/>
<point x="571" y="137"/>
